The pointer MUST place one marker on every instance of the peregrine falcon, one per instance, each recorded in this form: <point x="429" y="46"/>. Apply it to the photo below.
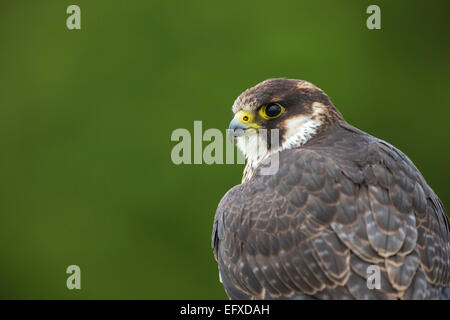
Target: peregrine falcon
<point x="341" y="202"/>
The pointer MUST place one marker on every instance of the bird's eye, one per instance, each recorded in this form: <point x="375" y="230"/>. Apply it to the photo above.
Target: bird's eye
<point x="271" y="111"/>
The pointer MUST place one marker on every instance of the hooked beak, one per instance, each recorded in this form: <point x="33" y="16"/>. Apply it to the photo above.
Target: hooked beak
<point x="242" y="122"/>
<point x="237" y="128"/>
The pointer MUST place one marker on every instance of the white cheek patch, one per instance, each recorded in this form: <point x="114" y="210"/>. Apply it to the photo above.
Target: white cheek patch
<point x="253" y="146"/>
<point x="299" y="130"/>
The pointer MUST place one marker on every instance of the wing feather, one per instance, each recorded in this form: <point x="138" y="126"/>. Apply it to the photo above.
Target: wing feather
<point x="329" y="213"/>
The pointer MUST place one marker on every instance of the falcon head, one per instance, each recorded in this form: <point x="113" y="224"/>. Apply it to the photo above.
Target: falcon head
<point x="297" y="108"/>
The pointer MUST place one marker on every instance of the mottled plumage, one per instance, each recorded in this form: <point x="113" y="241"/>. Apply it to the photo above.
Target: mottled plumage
<point x="340" y="202"/>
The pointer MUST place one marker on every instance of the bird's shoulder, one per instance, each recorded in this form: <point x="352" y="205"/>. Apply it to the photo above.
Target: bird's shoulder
<point x="344" y="190"/>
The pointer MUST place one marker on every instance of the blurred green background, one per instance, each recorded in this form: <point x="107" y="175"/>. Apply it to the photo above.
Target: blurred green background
<point x="86" y="117"/>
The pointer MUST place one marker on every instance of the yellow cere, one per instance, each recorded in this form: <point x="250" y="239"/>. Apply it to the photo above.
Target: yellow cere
<point x="247" y="119"/>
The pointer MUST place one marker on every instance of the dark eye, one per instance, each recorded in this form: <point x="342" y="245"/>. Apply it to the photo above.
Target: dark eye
<point x="273" y="110"/>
